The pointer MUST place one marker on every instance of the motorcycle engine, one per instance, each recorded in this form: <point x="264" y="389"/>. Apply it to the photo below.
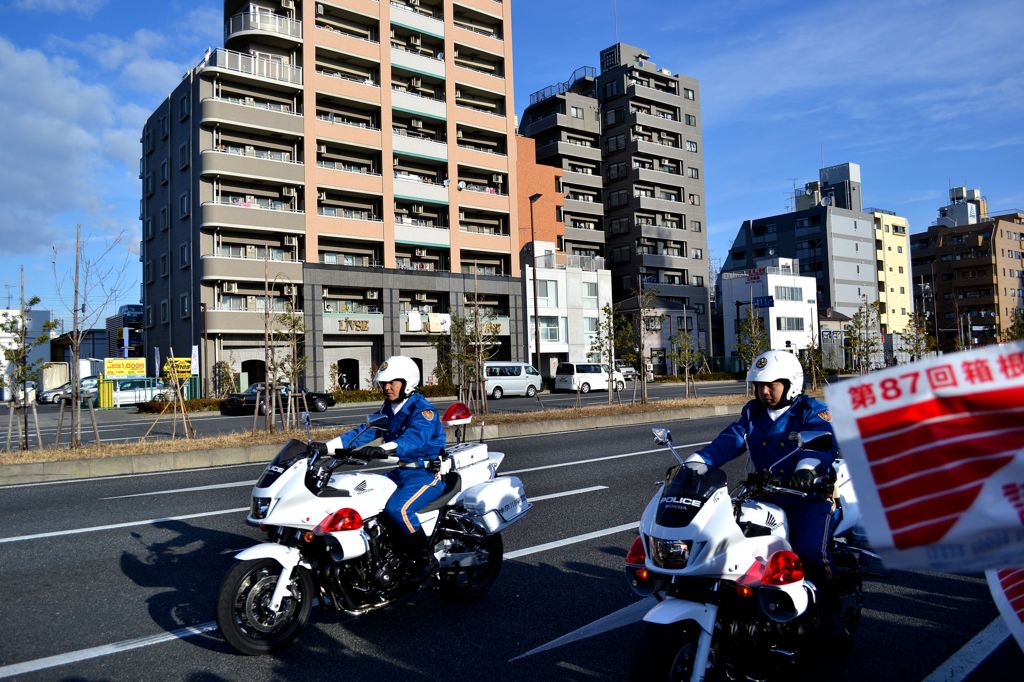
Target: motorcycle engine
<point x="386" y="560"/>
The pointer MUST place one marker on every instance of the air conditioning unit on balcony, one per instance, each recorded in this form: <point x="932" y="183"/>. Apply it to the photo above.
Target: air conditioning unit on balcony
<point x="290" y="290"/>
<point x="415" y="123"/>
<point x="230" y="287"/>
<point x="419" y="252"/>
<point x="497" y="179"/>
<point x="414" y="40"/>
<point x="250" y="198"/>
<point x="291" y="240"/>
<point x="420" y="296"/>
<point x="319" y="9"/>
<point x="372" y="294"/>
<point x="417" y="208"/>
<point x="250" y="250"/>
<point x="250" y="302"/>
<point x="322" y="196"/>
<point x="416" y="82"/>
<point x="321" y="149"/>
<point x="287" y="4"/>
<point x="414" y="3"/>
<point x="458" y="92"/>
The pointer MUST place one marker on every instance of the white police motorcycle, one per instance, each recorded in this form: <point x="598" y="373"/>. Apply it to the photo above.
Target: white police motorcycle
<point x="327" y="540"/>
<point x="733" y="602"/>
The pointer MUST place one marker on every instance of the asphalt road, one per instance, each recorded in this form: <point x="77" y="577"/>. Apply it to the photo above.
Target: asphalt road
<point x="115" y="579"/>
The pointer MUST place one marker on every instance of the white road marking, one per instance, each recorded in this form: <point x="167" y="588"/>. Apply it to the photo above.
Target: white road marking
<point x="175" y="491"/>
<point x="129" y="524"/>
<point x="568" y="492"/>
<point x="184" y="633"/>
<point x="961" y="664"/>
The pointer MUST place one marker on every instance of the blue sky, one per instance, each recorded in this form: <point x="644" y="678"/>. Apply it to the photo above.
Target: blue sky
<point x="922" y="94"/>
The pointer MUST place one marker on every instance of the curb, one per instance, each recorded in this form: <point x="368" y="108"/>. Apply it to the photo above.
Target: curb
<point x="49" y="472"/>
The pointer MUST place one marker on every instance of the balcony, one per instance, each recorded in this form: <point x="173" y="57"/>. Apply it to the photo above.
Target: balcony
<point x="417" y="62"/>
<point x="661" y="177"/>
<point x="250" y="269"/>
<point x="415" y="231"/>
<point x="253" y="114"/>
<point x="657" y="149"/>
<point x="662" y="205"/>
<point x="265" y="69"/>
<point x="409" y="186"/>
<point x="570" y="150"/>
<point x="417" y="104"/>
<point x="592" y="208"/>
<point x="263" y="24"/>
<point x="419" y="146"/>
<point x="252" y="216"/>
<point x="653" y="94"/>
<point x="253" y="163"/>
<point x="573" y="179"/>
<point x="411" y="19"/>
<point x="224" y="321"/>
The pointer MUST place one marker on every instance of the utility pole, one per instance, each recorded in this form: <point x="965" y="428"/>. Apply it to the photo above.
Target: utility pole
<point x="536" y="311"/>
<point x="24" y="360"/>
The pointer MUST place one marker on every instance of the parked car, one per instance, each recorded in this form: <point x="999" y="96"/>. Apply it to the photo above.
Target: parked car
<point x="254" y="398"/>
<point x="512" y="378"/>
<point x="15" y="390"/>
<point x="86" y="388"/>
<point x="53" y="395"/>
<point x="628" y="372"/>
<point x="132" y="391"/>
<point x="586" y="377"/>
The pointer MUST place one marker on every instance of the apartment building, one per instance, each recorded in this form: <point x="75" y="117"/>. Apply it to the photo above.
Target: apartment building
<point x="892" y="263"/>
<point x="628" y="139"/>
<point x="352" y="160"/>
<point x="968" y="269"/>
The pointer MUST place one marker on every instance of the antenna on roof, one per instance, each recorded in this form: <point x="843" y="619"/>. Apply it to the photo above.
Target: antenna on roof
<point x="615" y="18"/>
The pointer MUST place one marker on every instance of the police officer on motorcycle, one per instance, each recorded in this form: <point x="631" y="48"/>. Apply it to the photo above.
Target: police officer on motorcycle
<point x="415" y="435"/>
<point x="768" y="426"/>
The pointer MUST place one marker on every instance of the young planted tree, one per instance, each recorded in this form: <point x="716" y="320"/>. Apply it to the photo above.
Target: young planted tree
<point x="602" y="346"/>
<point x="918" y="340"/>
<point x="461" y="355"/>
<point x="1015" y="332"/>
<point x="684" y="353"/>
<point x="751" y="337"/>
<point x="97" y="283"/>
<point x="863" y="336"/>
<point x="19" y="367"/>
<point x="225" y="379"/>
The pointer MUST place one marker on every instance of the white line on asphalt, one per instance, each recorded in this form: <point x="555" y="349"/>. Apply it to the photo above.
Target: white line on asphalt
<point x="184" y="633"/>
<point x="216" y="486"/>
<point x="614" y="620"/>
<point x="961" y="664"/>
<point x="92" y="529"/>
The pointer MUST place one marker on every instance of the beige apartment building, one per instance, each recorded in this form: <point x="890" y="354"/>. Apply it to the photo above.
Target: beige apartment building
<point x="353" y="160"/>
<point x="892" y="255"/>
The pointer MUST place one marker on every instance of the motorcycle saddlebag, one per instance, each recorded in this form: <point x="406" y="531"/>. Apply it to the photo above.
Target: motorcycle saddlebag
<point x="497" y="503"/>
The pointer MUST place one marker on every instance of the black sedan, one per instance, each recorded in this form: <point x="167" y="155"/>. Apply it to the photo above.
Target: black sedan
<point x="255" y="398"/>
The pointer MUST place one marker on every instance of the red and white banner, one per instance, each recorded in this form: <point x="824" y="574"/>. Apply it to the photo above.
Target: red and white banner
<point x="1007" y="588"/>
<point x="936" y="451"/>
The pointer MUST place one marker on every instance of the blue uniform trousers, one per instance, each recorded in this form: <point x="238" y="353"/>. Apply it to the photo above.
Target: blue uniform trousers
<point x="810" y="533"/>
<point x="416" y="489"/>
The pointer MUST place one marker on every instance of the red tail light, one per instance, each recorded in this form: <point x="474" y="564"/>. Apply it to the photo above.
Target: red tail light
<point x="636" y="554"/>
<point x="343" y="519"/>
<point x="784" y="567"/>
<point x="456" y="414"/>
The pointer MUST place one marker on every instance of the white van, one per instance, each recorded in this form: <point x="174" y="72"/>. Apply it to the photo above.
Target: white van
<point x="512" y="378"/>
<point x="586" y="377"/>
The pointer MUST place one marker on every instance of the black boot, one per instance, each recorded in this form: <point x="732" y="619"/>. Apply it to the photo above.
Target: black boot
<point x="419" y="556"/>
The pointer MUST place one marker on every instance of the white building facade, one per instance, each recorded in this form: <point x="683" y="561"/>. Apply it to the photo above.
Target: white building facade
<point x="36" y="321"/>
<point x="572" y="290"/>
<point x="784" y="300"/>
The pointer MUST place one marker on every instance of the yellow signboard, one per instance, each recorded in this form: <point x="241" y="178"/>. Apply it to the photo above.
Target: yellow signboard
<point x="182" y="367"/>
<point x="124" y="368"/>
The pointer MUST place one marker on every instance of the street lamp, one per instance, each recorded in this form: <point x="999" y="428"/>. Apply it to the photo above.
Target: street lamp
<point x="536" y="309"/>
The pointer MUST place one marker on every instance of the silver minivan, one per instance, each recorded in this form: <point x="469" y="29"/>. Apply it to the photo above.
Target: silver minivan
<point x="512" y="378"/>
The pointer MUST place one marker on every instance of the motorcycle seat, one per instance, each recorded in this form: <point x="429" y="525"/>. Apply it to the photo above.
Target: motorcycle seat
<point x="452" y="487"/>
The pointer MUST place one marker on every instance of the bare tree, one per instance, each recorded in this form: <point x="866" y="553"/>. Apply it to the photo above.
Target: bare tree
<point x="685" y="354"/>
<point x="752" y="339"/>
<point x="96" y="283"/>
<point x="462" y="353"/>
<point x="919" y="341"/>
<point x="602" y="346"/>
<point x="1015" y="332"/>
<point x="862" y="336"/>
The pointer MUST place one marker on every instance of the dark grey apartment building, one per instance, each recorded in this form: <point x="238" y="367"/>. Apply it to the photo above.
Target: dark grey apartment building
<point x="628" y="138"/>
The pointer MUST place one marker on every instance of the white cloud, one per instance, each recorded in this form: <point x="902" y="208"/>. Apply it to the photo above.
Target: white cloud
<point x="84" y="7"/>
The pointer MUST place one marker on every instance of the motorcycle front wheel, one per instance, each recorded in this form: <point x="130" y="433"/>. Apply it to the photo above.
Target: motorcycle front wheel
<point x="243" y="607"/>
<point x="666" y="653"/>
<point x="471" y="582"/>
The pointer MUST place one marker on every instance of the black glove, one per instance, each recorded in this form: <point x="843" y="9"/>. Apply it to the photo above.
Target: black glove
<point x="373" y="452"/>
<point x="803" y="480"/>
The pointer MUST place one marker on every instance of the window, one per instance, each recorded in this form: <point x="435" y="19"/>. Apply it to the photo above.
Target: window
<point x="698" y="280"/>
<point x="547" y="293"/>
<point x="691" y="146"/>
<point x="789" y="324"/>
<point x="616" y="142"/>
<point x="164" y="223"/>
<point x="183" y="107"/>
<point x="183" y="255"/>
<point x="695" y="199"/>
<point x="692" y="172"/>
<point x="617" y="170"/>
<point x="149" y="316"/>
<point x="185" y="305"/>
<point x="164" y="128"/>
<point x="697" y="254"/>
<point x="163" y="265"/>
<point x="148" y="271"/>
<point x="149" y="228"/>
<point x="163" y="311"/>
<point x="590" y="294"/>
<point x="695" y="225"/>
<point x="549" y="328"/>
<point x="689" y="94"/>
<point x="184" y="205"/>
<point x="613" y="116"/>
<point x="183" y="155"/>
<point x="789" y="294"/>
<point x="164" y="172"/>
<point x="691" y="120"/>
<point x="577" y="112"/>
<point x="652" y="324"/>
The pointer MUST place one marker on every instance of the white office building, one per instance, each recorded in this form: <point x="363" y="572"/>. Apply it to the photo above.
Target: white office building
<point x="783" y="299"/>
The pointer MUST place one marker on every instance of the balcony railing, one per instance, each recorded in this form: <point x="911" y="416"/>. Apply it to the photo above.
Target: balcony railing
<point x="252" y="65"/>
<point x="263" y="21"/>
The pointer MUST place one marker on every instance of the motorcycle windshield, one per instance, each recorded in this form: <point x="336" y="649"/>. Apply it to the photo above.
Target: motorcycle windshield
<point x="293" y="451"/>
<point x="685" y="494"/>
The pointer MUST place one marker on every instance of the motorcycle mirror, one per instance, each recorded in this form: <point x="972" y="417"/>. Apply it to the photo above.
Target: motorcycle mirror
<point x="814" y="440"/>
<point x="376" y="419"/>
<point x="662" y="436"/>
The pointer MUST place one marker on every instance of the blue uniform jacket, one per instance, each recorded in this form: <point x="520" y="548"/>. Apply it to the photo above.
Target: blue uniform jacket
<point x="417" y="430"/>
<point x="770" y="440"/>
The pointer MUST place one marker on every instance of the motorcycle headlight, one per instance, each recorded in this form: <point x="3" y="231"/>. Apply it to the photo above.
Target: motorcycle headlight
<point x="670" y="553"/>
<point x="260" y="507"/>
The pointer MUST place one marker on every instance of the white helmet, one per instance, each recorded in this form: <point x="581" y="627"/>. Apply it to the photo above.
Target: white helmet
<point x="778" y="365"/>
<point x="399" y="367"/>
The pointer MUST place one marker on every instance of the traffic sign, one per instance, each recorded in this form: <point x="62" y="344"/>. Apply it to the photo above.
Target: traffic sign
<point x="764" y="301"/>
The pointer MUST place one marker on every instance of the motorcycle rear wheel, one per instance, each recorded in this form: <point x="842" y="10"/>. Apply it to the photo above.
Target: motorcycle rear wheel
<point x="243" y="616"/>
<point x="665" y="653"/>
<point x="466" y="584"/>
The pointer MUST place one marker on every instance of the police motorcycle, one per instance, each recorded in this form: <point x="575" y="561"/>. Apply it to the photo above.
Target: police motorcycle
<point x="733" y="601"/>
<point x="327" y="540"/>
